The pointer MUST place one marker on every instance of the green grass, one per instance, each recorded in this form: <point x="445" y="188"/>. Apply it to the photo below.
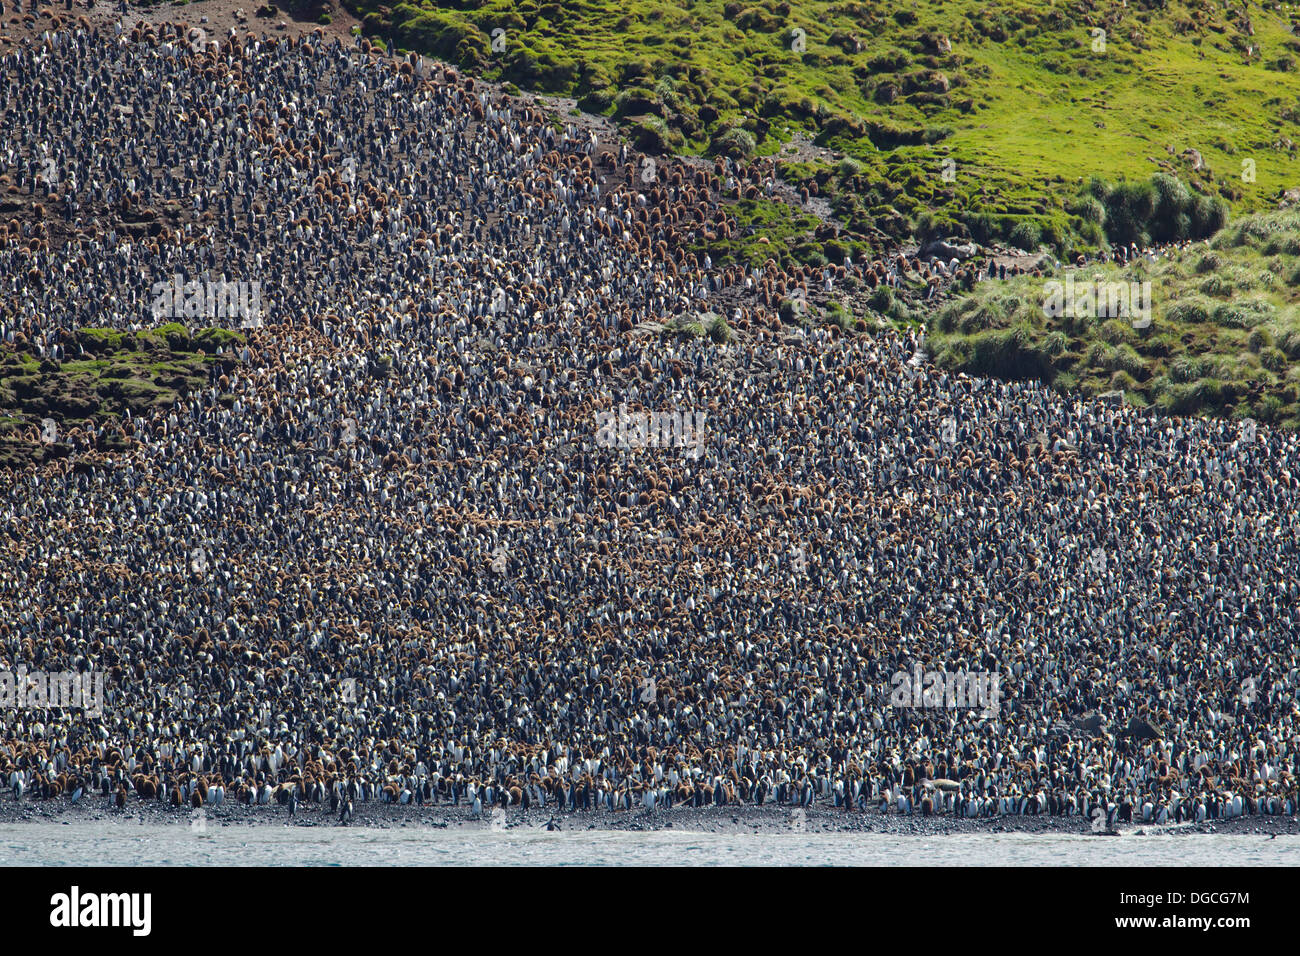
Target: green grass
<point x="768" y="229"/>
<point x="960" y="116"/>
<point x="119" y="371"/>
<point x="685" y="326"/>
<point x="1224" y="338"/>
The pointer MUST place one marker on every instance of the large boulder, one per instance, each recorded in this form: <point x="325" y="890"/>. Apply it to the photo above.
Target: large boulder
<point x="1142" y="729"/>
<point x="1092" y="722"/>
<point x="947" y="250"/>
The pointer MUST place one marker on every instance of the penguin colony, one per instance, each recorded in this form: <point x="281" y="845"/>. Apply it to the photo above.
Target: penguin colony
<point x="383" y="558"/>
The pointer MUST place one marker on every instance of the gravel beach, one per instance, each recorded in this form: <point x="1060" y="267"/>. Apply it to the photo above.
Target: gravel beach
<point x="744" y="819"/>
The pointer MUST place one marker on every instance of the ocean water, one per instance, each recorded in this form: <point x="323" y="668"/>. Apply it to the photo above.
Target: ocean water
<point x="120" y="843"/>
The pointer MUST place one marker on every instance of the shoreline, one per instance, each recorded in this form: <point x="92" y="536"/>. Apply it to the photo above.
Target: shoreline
<point x="733" y="819"/>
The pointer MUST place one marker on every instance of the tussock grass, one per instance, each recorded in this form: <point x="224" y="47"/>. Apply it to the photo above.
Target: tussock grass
<point x="119" y="371"/>
<point x="1223" y="340"/>
<point x="987" y="115"/>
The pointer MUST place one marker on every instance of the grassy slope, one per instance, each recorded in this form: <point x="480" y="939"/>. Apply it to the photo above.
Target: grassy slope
<point x="120" y="371"/>
<point x="1030" y="109"/>
<point x="1225" y="336"/>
